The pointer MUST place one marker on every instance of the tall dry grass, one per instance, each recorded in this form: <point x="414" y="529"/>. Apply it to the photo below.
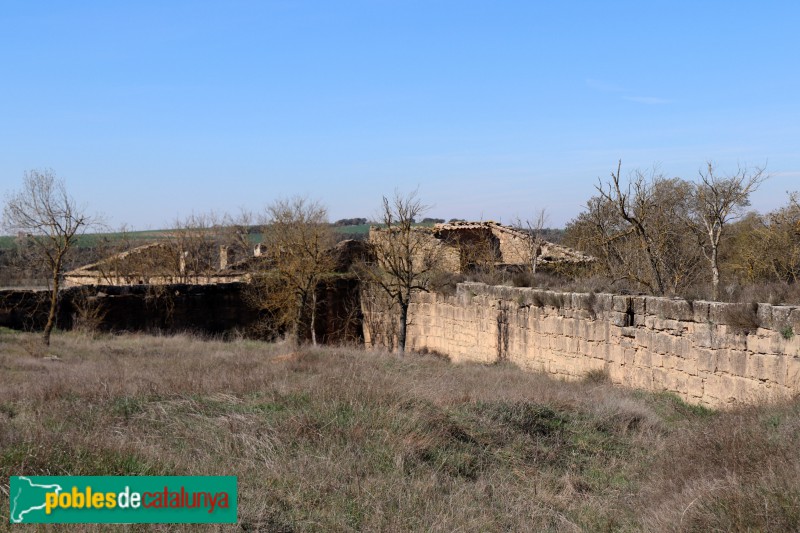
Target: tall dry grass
<point x="345" y="440"/>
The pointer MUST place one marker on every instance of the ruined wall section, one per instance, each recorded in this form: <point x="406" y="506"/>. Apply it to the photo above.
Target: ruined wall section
<point x="656" y="344"/>
<point x="515" y="247"/>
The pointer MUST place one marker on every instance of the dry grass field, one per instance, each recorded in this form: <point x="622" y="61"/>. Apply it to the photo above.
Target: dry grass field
<point x="336" y="439"/>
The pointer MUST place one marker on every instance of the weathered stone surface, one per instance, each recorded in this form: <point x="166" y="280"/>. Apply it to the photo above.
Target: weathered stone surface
<point x="620" y="304"/>
<point x="672" y="345"/>
<point x="780" y="317"/>
<point x="701" y="311"/>
<point x="718" y="312"/>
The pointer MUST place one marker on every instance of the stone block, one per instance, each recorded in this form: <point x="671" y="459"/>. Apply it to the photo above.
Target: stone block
<point x="764" y="314"/>
<point x="616" y="353"/>
<point x="616" y="373"/>
<point x="727" y="389"/>
<point x="585" y="347"/>
<point x="655" y="306"/>
<point x="620" y="303"/>
<point x="618" y="319"/>
<point x="781" y="317"/>
<point x="604" y="303"/>
<point x="688" y="366"/>
<point x="643" y="358"/>
<point x="639" y="304"/>
<point x="629" y="357"/>
<point x="760" y="367"/>
<point x="643" y="337"/>
<point x="665" y="343"/>
<point x="660" y="379"/>
<point x="778" y="344"/>
<point x="642" y="378"/>
<point x="701" y="311"/>
<point x="703" y="335"/>
<point x="793" y="373"/>
<point x="683" y="346"/>
<point x="735" y="362"/>
<point x="656" y="360"/>
<point x="759" y="344"/>
<point x="718" y="312"/>
<point x="681" y="310"/>
<point x="706" y="360"/>
<point x="694" y="386"/>
<point x="676" y="382"/>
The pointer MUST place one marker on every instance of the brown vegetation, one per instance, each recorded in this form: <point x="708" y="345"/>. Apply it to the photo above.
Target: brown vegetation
<point x="672" y="236"/>
<point x="338" y="439"/>
<point x="50" y="220"/>
<point x="298" y="241"/>
<point x="406" y="260"/>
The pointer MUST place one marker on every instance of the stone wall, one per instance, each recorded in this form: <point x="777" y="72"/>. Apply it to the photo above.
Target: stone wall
<point x="208" y="309"/>
<point x="713" y="354"/>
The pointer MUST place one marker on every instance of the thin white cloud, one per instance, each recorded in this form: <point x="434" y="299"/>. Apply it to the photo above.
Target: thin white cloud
<point x="648" y="100"/>
<point x="606" y="87"/>
<point x="603" y="86"/>
<point x="785" y="174"/>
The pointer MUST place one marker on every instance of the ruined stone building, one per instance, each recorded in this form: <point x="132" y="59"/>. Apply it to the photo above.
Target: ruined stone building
<point x="161" y="263"/>
<point x="463" y="246"/>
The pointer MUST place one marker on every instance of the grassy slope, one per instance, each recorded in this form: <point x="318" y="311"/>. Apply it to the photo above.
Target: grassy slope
<point x="341" y="439"/>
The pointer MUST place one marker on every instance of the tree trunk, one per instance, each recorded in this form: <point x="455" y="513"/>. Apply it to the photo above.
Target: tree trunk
<point x="314" y="316"/>
<point x="714" y="273"/>
<point x="298" y="323"/>
<point x="51" y="316"/>
<point x="653" y="263"/>
<point x="401" y="334"/>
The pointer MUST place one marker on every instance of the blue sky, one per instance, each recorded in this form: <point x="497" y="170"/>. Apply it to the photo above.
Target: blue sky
<point x="150" y="110"/>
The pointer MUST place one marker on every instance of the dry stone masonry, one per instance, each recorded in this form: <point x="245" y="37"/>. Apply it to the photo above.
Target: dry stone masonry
<point x="699" y="350"/>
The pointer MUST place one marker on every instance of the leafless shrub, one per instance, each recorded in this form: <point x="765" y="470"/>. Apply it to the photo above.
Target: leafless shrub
<point x="88" y="311"/>
<point x="445" y="283"/>
<point x="591" y="304"/>
<point x="597" y="376"/>
<point x="742" y="318"/>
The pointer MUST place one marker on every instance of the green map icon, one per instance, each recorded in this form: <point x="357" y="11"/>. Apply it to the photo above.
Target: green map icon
<point x="27" y="499"/>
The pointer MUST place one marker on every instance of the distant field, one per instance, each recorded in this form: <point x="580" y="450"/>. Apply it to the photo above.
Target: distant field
<point x="341" y="439"/>
<point x="89" y="240"/>
<point x="362" y="229"/>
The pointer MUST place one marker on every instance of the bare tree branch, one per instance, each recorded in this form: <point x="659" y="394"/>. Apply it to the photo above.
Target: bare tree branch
<point x="44" y="211"/>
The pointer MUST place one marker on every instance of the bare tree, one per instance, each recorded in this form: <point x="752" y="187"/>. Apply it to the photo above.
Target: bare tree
<point x="535" y="229"/>
<point x="633" y="206"/>
<point x="43" y="210"/>
<point x="406" y="257"/>
<point x="193" y="246"/>
<point x="298" y="241"/>
<point x="718" y="200"/>
<point x="238" y="233"/>
<point x="638" y="232"/>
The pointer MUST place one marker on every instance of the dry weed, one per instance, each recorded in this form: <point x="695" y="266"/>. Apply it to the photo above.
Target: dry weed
<point x="343" y="439"/>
